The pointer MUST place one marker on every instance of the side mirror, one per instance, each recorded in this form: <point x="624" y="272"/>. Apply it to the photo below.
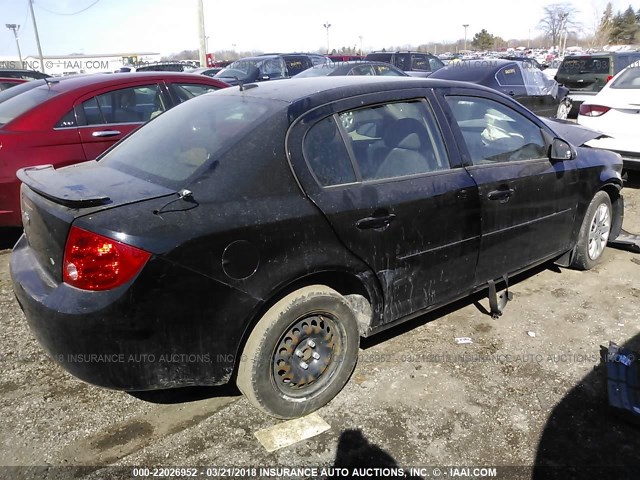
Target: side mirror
<point x="561" y="150"/>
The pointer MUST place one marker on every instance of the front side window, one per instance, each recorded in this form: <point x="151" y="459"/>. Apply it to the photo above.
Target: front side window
<point x="496" y="133"/>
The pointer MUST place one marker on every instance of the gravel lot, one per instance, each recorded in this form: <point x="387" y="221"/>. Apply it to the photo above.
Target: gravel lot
<point x="528" y="391"/>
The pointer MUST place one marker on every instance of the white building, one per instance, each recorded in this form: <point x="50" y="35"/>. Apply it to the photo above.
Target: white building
<point x="73" y="64"/>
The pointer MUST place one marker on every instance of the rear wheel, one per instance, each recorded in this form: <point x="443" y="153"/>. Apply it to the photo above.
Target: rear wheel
<point x="563" y="110"/>
<point x="300" y="354"/>
<point x="594" y="233"/>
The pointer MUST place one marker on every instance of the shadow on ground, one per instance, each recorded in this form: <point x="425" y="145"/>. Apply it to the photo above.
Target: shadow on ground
<point x="9" y="237"/>
<point x="584" y="438"/>
<point x="186" y="394"/>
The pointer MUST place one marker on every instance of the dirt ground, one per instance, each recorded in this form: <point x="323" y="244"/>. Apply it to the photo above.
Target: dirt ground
<point x="527" y="392"/>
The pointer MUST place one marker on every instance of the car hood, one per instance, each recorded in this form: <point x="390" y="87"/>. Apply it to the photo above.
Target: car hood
<point x="571" y="132"/>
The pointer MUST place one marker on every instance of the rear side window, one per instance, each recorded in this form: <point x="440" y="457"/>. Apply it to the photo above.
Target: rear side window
<point x="395" y="140"/>
<point x="126" y="105"/>
<point x="420" y="62"/>
<point x="379" y="57"/>
<point x="15" y="106"/>
<point x="629" y="79"/>
<point x="189" y="138"/>
<point x="327" y="155"/>
<point x="509" y="76"/>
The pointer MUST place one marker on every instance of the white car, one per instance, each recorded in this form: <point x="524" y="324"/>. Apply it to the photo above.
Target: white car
<point x="615" y="111"/>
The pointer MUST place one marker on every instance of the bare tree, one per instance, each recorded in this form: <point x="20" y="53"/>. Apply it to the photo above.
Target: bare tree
<point x="558" y="20"/>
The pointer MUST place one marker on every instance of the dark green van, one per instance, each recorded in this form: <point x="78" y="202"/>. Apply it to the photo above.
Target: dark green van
<point x="585" y="75"/>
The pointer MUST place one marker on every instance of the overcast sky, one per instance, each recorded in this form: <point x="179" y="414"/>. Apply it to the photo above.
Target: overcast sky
<point x="169" y="26"/>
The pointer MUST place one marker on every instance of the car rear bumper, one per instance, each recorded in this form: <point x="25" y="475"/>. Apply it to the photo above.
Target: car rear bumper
<point x="118" y="339"/>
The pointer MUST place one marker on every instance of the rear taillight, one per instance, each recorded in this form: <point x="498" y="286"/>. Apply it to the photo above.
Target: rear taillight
<point x="94" y="262"/>
<point x="593" y="110"/>
<point x="609" y="78"/>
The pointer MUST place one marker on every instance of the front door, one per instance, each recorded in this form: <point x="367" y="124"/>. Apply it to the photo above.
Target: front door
<point x="108" y="117"/>
<point x="527" y="201"/>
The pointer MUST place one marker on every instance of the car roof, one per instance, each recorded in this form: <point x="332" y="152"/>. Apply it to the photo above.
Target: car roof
<point x="65" y="84"/>
<point x="472" y="70"/>
<point x="318" y="90"/>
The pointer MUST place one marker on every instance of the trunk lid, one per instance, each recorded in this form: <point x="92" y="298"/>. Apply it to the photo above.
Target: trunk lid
<point x="52" y="199"/>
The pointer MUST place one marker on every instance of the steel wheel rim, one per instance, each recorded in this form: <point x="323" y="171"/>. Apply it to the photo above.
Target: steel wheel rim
<point x="563" y="111"/>
<point x="347" y="120"/>
<point x="599" y="231"/>
<point x="307" y="355"/>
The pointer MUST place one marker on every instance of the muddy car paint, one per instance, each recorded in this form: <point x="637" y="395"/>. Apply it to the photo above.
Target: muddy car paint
<point x="257" y="226"/>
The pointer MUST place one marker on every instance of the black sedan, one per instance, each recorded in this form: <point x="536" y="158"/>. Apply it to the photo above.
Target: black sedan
<point x="256" y="234"/>
<point x="355" y="67"/>
<point x="518" y="79"/>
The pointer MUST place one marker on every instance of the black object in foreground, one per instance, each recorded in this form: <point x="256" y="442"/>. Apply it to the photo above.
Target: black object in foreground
<point x="623" y="381"/>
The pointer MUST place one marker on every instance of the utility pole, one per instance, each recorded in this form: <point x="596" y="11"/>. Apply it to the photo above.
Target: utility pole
<point x="35" y="29"/>
<point x="466" y="25"/>
<point x="203" y="40"/>
<point x="15" y="28"/>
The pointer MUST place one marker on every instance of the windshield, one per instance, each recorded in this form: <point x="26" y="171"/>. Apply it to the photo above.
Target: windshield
<point x="189" y="138"/>
<point x="629" y="79"/>
<point x="14" y="106"/>
<point x="599" y="65"/>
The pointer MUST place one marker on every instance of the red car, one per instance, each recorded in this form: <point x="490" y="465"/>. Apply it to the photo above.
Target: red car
<point x="10" y="82"/>
<point x="74" y="119"/>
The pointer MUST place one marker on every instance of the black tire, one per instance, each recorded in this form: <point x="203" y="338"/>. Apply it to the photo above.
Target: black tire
<point x="594" y="233"/>
<point x="300" y="354"/>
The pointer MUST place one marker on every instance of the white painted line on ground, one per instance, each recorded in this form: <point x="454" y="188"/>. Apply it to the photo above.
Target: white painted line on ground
<point x="290" y="432"/>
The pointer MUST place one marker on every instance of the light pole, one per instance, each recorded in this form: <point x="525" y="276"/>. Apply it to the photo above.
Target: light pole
<point x="327" y="25"/>
<point x="15" y="28"/>
<point x="466" y="25"/>
<point x="35" y="28"/>
<point x="360" y="37"/>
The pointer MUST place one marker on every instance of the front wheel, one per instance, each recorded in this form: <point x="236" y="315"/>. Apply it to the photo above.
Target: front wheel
<point x="300" y="354"/>
<point x="594" y="233"/>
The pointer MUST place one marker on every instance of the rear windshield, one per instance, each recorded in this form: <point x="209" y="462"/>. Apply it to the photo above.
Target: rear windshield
<point x="629" y="79"/>
<point x="16" y="101"/>
<point x="582" y="65"/>
<point x="188" y="139"/>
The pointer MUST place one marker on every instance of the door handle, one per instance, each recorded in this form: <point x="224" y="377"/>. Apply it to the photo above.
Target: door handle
<point x="381" y="221"/>
<point x="105" y="133"/>
<point x="503" y="195"/>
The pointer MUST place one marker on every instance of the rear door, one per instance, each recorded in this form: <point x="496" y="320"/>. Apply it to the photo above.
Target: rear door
<point x="385" y="172"/>
<point x="106" y="116"/>
<point x="528" y="203"/>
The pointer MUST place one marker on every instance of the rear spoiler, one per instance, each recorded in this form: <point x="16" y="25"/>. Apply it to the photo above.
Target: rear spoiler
<point x="45" y="180"/>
